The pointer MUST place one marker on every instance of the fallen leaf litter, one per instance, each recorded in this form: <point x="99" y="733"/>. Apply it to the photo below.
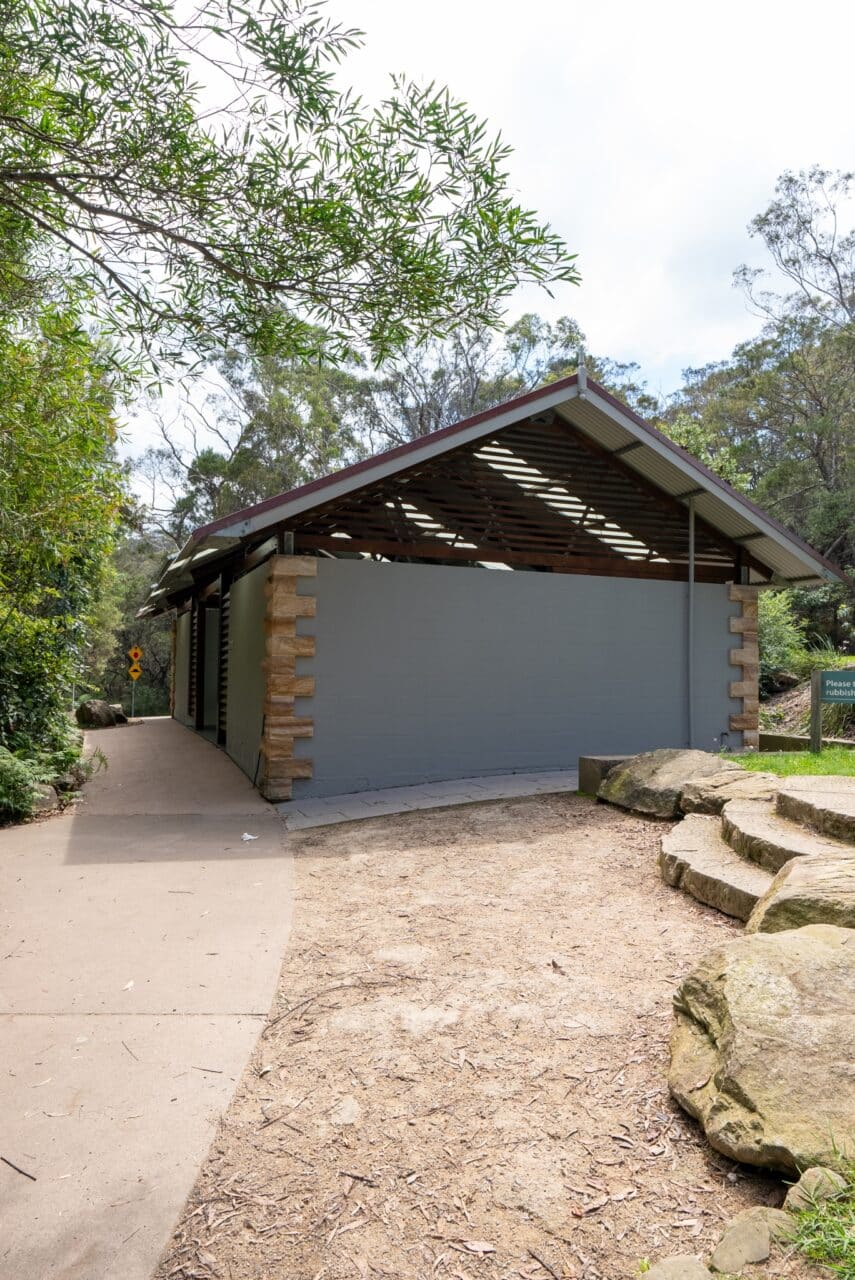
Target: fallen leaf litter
<point x="463" y="1073"/>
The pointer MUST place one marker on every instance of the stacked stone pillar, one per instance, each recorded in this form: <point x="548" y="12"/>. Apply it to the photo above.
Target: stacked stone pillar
<point x="747" y="657"/>
<point x="283" y="728"/>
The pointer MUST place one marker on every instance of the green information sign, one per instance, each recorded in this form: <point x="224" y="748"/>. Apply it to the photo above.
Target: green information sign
<point x="838" y="686"/>
<point x="828" y="686"/>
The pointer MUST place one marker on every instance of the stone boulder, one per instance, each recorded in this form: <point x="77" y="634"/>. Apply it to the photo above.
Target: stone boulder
<point x="73" y="780"/>
<point x="819" y="889"/>
<point x="46" y="799"/>
<point x="762" y="1049"/>
<point x="653" y="782"/>
<point x="119" y="712"/>
<point x="750" y="1238"/>
<point x="742" y="1242"/>
<point x="780" y="1223"/>
<point x="814" y="1186"/>
<point x="711" y="793"/>
<point x="95" y="714"/>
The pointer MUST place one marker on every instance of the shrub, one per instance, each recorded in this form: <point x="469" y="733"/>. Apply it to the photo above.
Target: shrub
<point x="60" y="495"/>
<point x="781" y="635"/>
<point x="18" y="786"/>
<point x="821" y="655"/>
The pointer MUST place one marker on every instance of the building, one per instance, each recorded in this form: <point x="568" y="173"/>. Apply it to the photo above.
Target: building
<point x="550" y="578"/>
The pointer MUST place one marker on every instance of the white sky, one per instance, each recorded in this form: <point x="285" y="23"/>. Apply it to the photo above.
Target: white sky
<point x="647" y="134"/>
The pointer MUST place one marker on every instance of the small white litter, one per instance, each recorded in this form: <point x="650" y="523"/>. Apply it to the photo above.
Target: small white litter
<point x="247" y="836"/>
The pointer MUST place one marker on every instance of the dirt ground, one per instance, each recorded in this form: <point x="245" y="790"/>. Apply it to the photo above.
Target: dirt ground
<point x="464" y="1071"/>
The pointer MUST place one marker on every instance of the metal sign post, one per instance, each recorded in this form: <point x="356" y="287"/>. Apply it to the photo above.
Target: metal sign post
<point x="816" y="712"/>
<point x="134" y="671"/>
<point x="828" y="686"/>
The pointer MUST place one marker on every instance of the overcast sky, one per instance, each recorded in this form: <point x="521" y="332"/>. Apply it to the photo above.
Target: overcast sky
<point x="648" y="135"/>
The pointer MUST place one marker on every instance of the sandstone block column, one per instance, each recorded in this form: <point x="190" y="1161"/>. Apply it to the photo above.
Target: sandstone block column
<point x="283" y="646"/>
<point x="746" y="656"/>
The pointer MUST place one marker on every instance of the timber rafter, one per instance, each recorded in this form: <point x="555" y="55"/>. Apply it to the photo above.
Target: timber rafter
<point x="540" y="494"/>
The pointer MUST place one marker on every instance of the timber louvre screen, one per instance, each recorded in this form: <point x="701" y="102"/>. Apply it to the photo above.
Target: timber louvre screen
<point x="193" y="664"/>
<point x="223" y="670"/>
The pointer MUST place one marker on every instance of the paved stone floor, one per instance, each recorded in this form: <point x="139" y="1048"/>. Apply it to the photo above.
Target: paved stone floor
<point x="300" y="814"/>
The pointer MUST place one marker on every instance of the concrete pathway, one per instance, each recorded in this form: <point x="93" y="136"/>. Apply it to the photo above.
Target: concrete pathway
<point x="140" y="944"/>
<point x="299" y="814"/>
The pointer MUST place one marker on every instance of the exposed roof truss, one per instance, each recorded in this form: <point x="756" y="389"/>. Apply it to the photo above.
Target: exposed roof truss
<point x="539" y="494"/>
<point x="565" y="479"/>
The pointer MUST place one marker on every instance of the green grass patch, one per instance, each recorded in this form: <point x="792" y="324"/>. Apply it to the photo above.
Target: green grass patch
<point x="826" y="1232"/>
<point x="832" y="760"/>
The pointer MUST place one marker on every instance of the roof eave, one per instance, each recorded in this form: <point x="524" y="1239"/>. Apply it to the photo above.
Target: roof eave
<point x="822" y="570"/>
<point x="225" y="533"/>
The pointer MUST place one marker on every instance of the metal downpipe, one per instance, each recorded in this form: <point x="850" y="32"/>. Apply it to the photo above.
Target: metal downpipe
<point x="690" y="631"/>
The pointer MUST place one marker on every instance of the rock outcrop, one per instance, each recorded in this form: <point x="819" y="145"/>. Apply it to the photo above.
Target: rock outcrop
<point x="824" y="803"/>
<point x="819" y="889"/>
<point x="711" y="793"/>
<point x="763" y="1045"/>
<point x="654" y="782"/>
<point x="762" y="835"/>
<point x="95" y="714"/>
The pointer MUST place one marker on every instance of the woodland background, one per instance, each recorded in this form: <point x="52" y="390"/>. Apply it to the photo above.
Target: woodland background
<point x="289" y="279"/>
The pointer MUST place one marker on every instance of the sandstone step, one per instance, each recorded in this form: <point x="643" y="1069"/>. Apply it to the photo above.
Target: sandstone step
<point x="815" y="890"/>
<point x="695" y="858"/>
<point x="757" y="831"/>
<point x="828" y="804"/>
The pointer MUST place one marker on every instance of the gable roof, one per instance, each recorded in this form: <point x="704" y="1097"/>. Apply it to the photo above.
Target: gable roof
<point x="642" y="455"/>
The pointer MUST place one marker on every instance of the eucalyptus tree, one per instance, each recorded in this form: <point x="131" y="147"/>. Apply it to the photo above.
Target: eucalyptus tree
<point x="785" y="401"/>
<point x="428" y="386"/>
<point x="178" y="182"/>
<point x="205" y="175"/>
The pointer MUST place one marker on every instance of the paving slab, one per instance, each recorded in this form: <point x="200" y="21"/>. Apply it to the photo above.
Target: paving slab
<point x="112" y="1115"/>
<point x="329" y="810"/>
<point x="140" y="943"/>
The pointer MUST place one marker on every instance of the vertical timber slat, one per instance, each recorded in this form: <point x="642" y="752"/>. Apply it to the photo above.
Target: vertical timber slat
<point x="199" y="667"/>
<point x="193" y="648"/>
<point x="223" y="660"/>
<point x="747" y="656"/>
<point x="282" y="648"/>
<point x="172" y="664"/>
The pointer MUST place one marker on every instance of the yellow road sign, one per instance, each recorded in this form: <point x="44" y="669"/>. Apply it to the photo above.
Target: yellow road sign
<point x="135" y="653"/>
<point x="135" y="671"/>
